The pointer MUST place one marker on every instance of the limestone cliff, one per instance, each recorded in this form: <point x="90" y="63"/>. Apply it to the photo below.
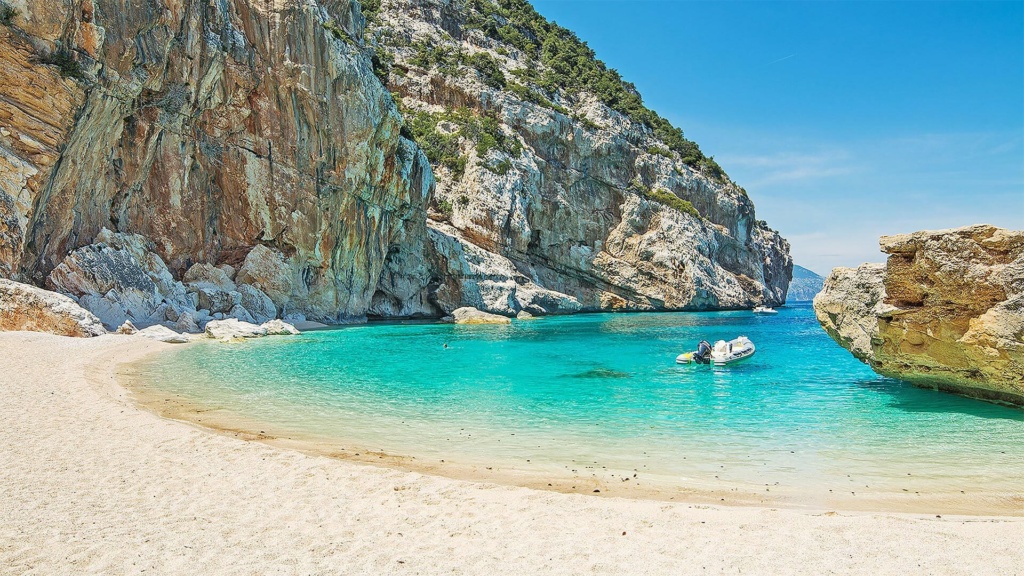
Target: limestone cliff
<point x="207" y="128"/>
<point x="175" y="161"/>
<point x="549" y="197"/>
<point x="946" y="311"/>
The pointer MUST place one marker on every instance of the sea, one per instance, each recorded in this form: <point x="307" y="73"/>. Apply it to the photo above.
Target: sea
<point x="596" y="403"/>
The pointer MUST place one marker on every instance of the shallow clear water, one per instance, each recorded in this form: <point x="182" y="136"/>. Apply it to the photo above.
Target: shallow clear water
<point x="602" y="392"/>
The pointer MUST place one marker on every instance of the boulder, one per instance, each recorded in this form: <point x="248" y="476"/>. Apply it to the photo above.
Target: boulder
<point x="946" y="311"/>
<point x="540" y="301"/>
<point x="119" y="278"/>
<point x="25" y="307"/>
<point x="267" y="270"/>
<point x="163" y="334"/>
<point x="208" y="274"/>
<point x="524" y="315"/>
<point x="215" y="299"/>
<point x="108" y="310"/>
<point x="467" y="315"/>
<point x="186" y="322"/>
<point x="117" y="283"/>
<point x="240" y="313"/>
<point x="257" y="303"/>
<point x="279" y="328"/>
<point x="233" y="328"/>
<point x="127" y="328"/>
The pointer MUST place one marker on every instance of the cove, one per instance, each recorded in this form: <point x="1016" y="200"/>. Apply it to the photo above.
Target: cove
<point x="595" y="402"/>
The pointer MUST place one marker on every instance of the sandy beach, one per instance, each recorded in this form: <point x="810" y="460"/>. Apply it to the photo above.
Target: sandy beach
<point x="91" y="483"/>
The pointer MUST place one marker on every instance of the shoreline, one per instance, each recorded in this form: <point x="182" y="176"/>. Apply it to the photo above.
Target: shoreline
<point x="610" y="484"/>
<point x="95" y="483"/>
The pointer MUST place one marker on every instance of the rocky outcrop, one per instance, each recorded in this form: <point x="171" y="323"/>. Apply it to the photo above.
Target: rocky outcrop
<point x="544" y="187"/>
<point x="469" y="315"/>
<point x="25" y="307"/>
<point x="849" y="305"/>
<point x="946" y="311"/>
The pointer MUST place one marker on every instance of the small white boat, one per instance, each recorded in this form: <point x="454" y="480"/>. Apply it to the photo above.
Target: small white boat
<point x="764" y="310"/>
<point x="732" y="351"/>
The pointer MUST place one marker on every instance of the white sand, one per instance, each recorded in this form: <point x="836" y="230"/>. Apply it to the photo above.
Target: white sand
<point x="89" y="483"/>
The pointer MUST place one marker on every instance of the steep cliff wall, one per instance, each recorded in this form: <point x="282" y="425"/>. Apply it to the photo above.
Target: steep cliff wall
<point x="208" y="128"/>
<point x="172" y="161"/>
<point x="564" y="191"/>
<point x="946" y="311"/>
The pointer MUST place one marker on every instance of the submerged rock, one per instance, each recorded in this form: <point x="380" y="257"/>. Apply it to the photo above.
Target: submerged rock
<point x="25" y="307"/>
<point x="469" y="315"/>
<point x="946" y="311"/>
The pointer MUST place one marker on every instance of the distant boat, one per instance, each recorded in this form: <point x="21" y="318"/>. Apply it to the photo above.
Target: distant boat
<point x="764" y="310"/>
<point x="732" y="351"/>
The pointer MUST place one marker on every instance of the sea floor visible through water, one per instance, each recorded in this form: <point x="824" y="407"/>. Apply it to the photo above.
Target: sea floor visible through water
<point x="595" y="403"/>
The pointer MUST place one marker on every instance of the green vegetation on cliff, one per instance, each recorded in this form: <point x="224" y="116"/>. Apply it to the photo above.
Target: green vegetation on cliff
<point x="441" y="143"/>
<point x="570" y="67"/>
<point x="664" y="197"/>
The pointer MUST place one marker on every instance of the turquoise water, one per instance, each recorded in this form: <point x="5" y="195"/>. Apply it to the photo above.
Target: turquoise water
<point x="601" y="395"/>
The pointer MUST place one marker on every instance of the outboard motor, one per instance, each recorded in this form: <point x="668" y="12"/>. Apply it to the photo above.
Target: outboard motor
<point x="703" y="354"/>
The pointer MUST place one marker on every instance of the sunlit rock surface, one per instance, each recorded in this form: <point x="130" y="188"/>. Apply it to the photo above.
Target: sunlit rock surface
<point x="946" y="311"/>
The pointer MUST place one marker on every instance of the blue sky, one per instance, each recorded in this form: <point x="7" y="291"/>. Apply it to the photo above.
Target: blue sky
<point x="843" y="120"/>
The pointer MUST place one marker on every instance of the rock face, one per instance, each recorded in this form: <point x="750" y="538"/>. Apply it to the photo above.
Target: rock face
<point x="209" y="129"/>
<point x="805" y="285"/>
<point x="172" y="162"/>
<point x="25" y="307"/>
<point x="543" y="187"/>
<point x="946" y="311"/>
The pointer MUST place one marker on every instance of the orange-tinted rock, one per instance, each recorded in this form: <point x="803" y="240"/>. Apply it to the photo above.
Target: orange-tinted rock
<point x="946" y="311"/>
<point x="25" y="307"/>
<point x="209" y="129"/>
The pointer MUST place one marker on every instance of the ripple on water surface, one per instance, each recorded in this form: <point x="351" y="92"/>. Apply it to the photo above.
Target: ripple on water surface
<point x="602" y="392"/>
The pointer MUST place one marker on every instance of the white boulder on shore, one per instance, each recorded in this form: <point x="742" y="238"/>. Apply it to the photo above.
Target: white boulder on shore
<point x="468" y="315"/>
<point x="232" y="328"/>
<point x="163" y="334"/>
<point x="26" y="307"/>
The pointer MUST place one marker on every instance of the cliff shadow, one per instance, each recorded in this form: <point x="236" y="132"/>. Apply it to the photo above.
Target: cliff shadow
<point x="913" y="399"/>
